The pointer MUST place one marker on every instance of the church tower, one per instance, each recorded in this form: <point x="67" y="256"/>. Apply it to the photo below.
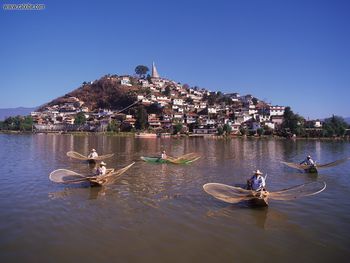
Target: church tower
<point x="154" y="71"/>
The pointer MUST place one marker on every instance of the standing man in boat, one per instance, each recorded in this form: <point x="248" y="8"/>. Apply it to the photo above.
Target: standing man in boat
<point x="308" y="161"/>
<point x="102" y="169"/>
<point x="256" y="182"/>
<point x="93" y="154"/>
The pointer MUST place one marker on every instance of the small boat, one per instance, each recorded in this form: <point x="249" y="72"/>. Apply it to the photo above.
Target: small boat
<point x="233" y="194"/>
<point x="184" y="159"/>
<point x="146" y="135"/>
<point x="78" y="156"/>
<point x="65" y="176"/>
<point x="314" y="168"/>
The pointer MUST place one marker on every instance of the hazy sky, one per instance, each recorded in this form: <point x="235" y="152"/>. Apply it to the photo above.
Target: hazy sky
<point x="294" y="53"/>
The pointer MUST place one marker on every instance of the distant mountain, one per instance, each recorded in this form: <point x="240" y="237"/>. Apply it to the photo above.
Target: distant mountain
<point x="9" y="112"/>
<point x="347" y="120"/>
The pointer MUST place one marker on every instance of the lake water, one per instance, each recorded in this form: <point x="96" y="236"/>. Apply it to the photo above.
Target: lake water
<point x="159" y="213"/>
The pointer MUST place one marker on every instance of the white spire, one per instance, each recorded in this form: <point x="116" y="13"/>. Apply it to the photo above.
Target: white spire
<point x="154" y="71"/>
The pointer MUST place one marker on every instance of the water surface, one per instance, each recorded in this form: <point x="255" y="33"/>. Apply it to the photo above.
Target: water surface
<point x="159" y="213"/>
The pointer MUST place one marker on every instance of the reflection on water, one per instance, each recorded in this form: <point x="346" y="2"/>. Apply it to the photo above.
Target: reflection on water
<point x="159" y="213"/>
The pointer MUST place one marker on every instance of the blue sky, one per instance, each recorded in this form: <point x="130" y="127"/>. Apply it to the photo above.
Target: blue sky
<point x="294" y="53"/>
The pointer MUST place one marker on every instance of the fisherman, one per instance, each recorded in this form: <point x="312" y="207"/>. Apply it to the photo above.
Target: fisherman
<point x="308" y="161"/>
<point x="93" y="154"/>
<point x="163" y="156"/>
<point x="102" y="169"/>
<point x="256" y="182"/>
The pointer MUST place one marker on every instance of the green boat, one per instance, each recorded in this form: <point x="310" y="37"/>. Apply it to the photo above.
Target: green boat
<point x="173" y="161"/>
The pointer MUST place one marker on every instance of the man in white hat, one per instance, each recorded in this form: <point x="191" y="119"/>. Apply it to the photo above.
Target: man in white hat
<point x="93" y="154"/>
<point x="256" y="182"/>
<point x="102" y="169"/>
<point x="308" y="161"/>
<point x="163" y="156"/>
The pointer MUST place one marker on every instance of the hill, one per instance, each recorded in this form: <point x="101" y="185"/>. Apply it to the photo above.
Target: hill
<point x="107" y="92"/>
<point x="10" y="112"/>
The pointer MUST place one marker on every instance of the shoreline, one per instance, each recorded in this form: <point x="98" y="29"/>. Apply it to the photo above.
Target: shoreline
<point x="212" y="136"/>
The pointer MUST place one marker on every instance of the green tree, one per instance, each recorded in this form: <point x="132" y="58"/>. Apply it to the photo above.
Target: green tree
<point x="80" y="119"/>
<point x="113" y="126"/>
<point x="243" y="131"/>
<point x="334" y="126"/>
<point x="141" y="118"/>
<point x="220" y="131"/>
<point x="177" y="128"/>
<point x="293" y="122"/>
<point x="26" y="123"/>
<point x="167" y="91"/>
<point x="227" y="128"/>
<point x="260" y="131"/>
<point x="141" y="70"/>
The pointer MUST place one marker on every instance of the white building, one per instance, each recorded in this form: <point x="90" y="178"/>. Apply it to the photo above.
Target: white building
<point x="178" y="102"/>
<point x="276" y="110"/>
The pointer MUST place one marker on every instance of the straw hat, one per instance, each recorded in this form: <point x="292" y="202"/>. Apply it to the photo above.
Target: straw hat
<point x="103" y="163"/>
<point x="93" y="150"/>
<point x="257" y="172"/>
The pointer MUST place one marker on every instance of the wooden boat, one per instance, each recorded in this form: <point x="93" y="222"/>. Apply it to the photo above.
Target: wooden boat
<point x="314" y="168"/>
<point x="233" y="194"/>
<point x="78" y="156"/>
<point x="184" y="159"/>
<point x="65" y="176"/>
<point x="146" y="135"/>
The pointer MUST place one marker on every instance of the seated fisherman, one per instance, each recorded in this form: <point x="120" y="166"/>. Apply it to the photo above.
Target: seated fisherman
<point x="256" y="182"/>
<point x="308" y="161"/>
<point x="102" y="169"/>
<point x="93" y="154"/>
<point x="163" y="156"/>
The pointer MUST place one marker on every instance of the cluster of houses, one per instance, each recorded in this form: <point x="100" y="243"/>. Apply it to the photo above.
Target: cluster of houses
<point x="199" y="111"/>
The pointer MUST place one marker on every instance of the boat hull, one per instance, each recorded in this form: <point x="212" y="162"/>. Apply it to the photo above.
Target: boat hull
<point x="312" y="169"/>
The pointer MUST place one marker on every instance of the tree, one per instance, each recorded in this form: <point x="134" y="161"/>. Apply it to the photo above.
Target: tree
<point x="80" y="119"/>
<point x="243" y="131"/>
<point x="227" y="128"/>
<point x="260" y="131"/>
<point x="177" y="128"/>
<point x="18" y="123"/>
<point x="293" y="122"/>
<point x="113" y="126"/>
<point x="26" y="124"/>
<point x="167" y="91"/>
<point x="141" y="70"/>
<point x="334" y="125"/>
<point x="220" y="131"/>
<point x="141" y="118"/>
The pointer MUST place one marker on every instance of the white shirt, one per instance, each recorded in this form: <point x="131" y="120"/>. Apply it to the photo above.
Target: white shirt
<point x="101" y="170"/>
<point x="163" y="156"/>
<point x="308" y="162"/>
<point x="93" y="155"/>
<point x="258" y="182"/>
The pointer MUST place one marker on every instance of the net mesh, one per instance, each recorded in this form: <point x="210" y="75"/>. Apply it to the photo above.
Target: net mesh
<point x="333" y="163"/>
<point x="186" y="158"/>
<point x="81" y="157"/>
<point x="66" y="176"/>
<point x="326" y="165"/>
<point x="232" y="194"/>
<point x="298" y="191"/>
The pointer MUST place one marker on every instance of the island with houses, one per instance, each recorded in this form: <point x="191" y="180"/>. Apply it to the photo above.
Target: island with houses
<point x="150" y="105"/>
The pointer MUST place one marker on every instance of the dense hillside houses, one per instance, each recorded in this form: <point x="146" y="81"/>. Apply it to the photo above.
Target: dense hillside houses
<point x="126" y="103"/>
